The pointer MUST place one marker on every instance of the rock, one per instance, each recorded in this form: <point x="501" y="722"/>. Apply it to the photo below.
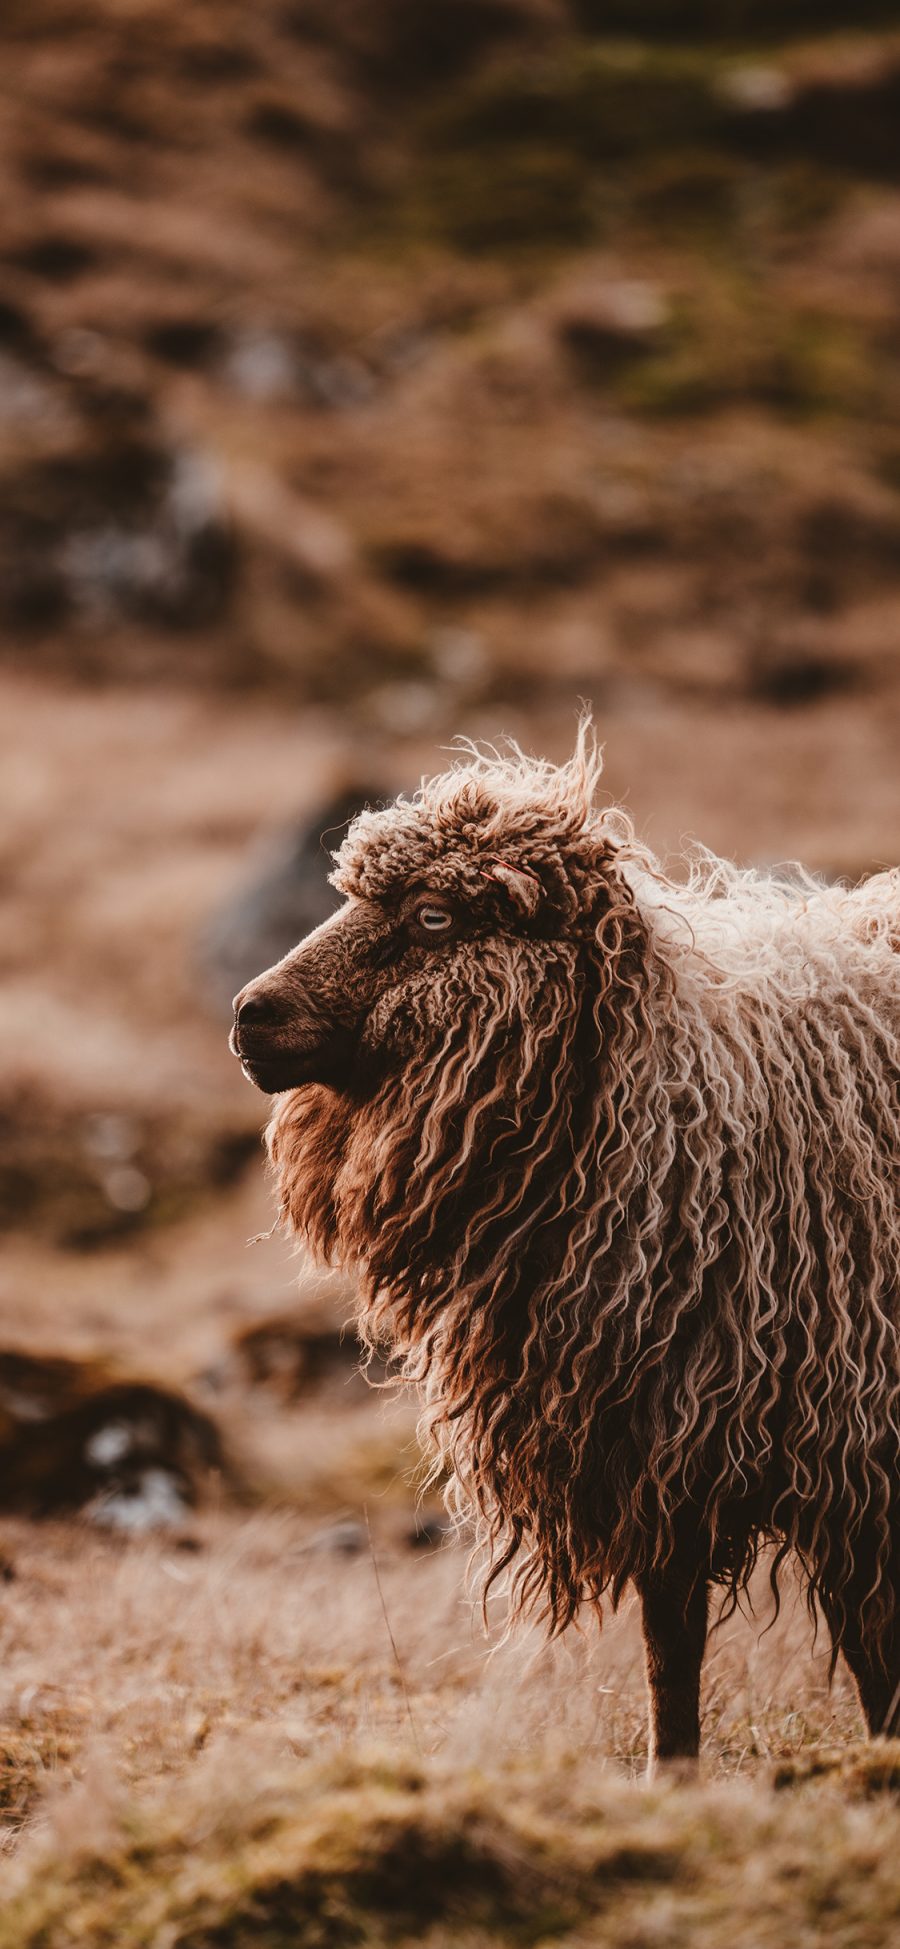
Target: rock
<point x="154" y="1500"/>
<point x="75" y="1436"/>
<point x="405" y="709"/>
<point x="25" y="398"/>
<point x="16" y="330"/>
<point x="409" y="48"/>
<point x="305" y="535"/>
<point x="79" y="1175"/>
<point x="604" y="318"/>
<point x="261" y="366"/>
<point x="188" y="343"/>
<point x="171" y="566"/>
<point x="342" y="1539"/>
<point x="293" y="1354"/>
<point x="458" y="657"/>
<point x="283" y="898"/>
<point x="835" y="106"/>
<point x="57" y="257"/>
<point x="126" y="527"/>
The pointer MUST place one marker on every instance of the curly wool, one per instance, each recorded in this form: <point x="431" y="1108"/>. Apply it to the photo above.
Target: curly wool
<point x="628" y="1213"/>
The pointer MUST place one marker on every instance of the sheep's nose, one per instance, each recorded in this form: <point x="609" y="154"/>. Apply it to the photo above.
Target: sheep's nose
<point x="257" y="1012"/>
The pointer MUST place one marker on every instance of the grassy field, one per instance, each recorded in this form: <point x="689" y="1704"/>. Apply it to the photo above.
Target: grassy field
<point x="370" y="375"/>
<point x="280" y="1720"/>
<point x="388" y="1850"/>
<point x="266" y="1730"/>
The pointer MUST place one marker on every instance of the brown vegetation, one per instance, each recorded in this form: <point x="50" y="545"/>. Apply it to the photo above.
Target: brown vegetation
<point x="368" y="374"/>
<point x="396" y="1852"/>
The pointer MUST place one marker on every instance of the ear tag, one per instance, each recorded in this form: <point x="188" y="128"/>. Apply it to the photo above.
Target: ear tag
<point x="523" y="886"/>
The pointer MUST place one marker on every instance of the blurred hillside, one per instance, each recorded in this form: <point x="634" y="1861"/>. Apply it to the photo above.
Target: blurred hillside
<point x="370" y="373"/>
<point x="411" y="358"/>
<point x="373" y="373"/>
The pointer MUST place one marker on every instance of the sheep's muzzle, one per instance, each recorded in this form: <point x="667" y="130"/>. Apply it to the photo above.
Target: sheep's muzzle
<point x="297" y="1022"/>
<point x="272" y="1070"/>
<point x="271" y="1053"/>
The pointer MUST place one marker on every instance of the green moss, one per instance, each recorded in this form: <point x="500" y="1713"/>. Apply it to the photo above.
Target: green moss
<point x="597" y="136"/>
<point x="529" y="152"/>
<point x="522" y="195"/>
<point x="729" y="345"/>
<point x="687" y="190"/>
<point x="602" y="101"/>
<point x="725" y="20"/>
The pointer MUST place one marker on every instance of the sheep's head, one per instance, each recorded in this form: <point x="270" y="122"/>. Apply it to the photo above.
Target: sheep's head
<point x="456" y="903"/>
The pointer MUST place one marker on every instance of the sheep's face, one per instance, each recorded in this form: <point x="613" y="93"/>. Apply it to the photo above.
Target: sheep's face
<point x="444" y="911"/>
<point x="352" y="992"/>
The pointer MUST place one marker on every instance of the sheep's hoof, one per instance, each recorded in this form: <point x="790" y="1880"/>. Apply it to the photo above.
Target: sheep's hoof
<point x="677" y="1769"/>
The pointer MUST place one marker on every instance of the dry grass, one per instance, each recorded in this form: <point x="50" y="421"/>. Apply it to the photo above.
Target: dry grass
<point x="520" y="507"/>
<point x="277" y="1621"/>
<point x="160" y="1669"/>
<point x="230" y="1750"/>
<point x="387" y="1850"/>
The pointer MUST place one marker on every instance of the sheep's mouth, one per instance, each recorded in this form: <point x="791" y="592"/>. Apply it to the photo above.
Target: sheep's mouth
<point x="274" y="1071"/>
<point x="273" y="1078"/>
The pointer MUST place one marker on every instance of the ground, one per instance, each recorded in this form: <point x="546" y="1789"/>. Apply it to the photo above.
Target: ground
<point x="369" y="376"/>
<point x="308" y="1628"/>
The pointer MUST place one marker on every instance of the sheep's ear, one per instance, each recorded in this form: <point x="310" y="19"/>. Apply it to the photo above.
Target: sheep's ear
<point x="524" y="888"/>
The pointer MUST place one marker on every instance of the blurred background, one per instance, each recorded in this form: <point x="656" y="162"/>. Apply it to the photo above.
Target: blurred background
<point x="373" y="371"/>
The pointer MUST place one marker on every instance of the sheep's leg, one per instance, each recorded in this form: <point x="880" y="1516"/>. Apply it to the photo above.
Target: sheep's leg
<point x="876" y="1671"/>
<point x="674" y="1604"/>
<point x="873" y="1658"/>
<point x="879" y="1693"/>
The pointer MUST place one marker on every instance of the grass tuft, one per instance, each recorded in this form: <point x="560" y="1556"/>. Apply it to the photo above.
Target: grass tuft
<point x="377" y="1850"/>
<point x="860" y="1771"/>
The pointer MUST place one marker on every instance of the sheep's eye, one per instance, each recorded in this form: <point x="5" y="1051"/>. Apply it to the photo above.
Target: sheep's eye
<point x="434" y="920"/>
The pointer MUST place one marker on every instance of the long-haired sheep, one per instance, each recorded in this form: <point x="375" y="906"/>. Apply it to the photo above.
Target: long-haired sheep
<point x="616" y="1160"/>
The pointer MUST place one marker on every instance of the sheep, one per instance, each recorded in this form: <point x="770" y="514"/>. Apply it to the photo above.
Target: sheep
<point x="615" y="1158"/>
